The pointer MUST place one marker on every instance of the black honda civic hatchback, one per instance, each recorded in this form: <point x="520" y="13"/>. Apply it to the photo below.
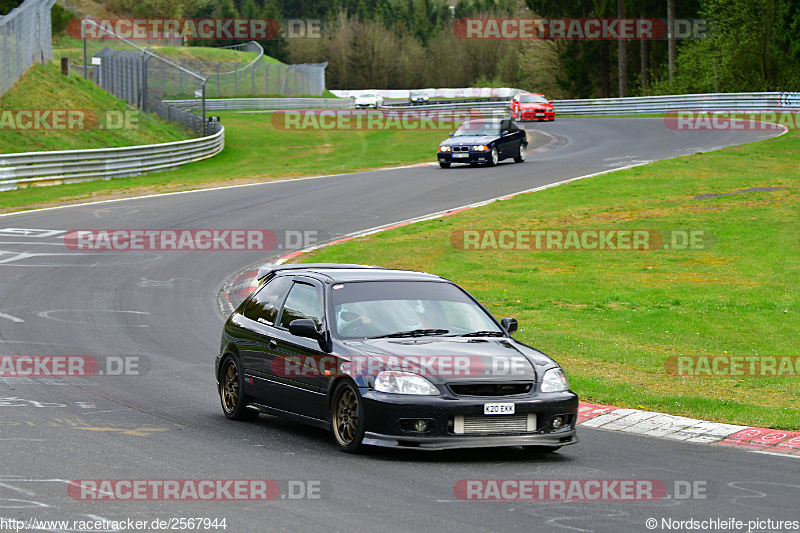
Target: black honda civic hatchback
<point x="389" y="358"/>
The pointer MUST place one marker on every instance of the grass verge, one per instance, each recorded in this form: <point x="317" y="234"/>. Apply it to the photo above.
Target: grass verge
<point x="44" y="88"/>
<point x="612" y="318"/>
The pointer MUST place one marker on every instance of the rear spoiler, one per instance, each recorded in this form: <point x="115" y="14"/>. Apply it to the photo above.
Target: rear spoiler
<point x="266" y="272"/>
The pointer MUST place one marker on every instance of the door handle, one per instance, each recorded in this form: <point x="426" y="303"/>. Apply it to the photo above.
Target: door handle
<point x="273" y="343"/>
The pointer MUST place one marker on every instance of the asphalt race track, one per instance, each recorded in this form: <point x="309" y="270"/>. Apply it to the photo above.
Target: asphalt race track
<point x="158" y="309"/>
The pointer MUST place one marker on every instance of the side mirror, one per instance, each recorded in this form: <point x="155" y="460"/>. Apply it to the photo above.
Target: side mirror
<point x="505" y="132"/>
<point x="509" y="324"/>
<point x="549" y="101"/>
<point x="304" y="327"/>
<point x="450" y="134"/>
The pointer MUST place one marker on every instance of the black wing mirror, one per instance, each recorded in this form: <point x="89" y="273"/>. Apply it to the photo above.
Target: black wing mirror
<point x="450" y="134"/>
<point x="509" y="324"/>
<point x="304" y="327"/>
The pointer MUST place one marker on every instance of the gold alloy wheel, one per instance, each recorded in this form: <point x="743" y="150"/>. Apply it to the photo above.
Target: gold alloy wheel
<point x="346" y="416"/>
<point x="229" y="387"/>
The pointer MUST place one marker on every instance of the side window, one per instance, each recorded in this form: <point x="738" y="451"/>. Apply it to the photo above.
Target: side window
<point x="264" y="306"/>
<point x="504" y="125"/>
<point x="303" y="302"/>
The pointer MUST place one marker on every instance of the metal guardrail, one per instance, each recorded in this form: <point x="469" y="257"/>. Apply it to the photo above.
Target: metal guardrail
<point x="243" y="104"/>
<point x="73" y="166"/>
<point x="452" y="101"/>
<point x="641" y="104"/>
<point x="662" y="104"/>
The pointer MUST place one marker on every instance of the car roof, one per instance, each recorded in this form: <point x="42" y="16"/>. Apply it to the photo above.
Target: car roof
<point x="343" y="272"/>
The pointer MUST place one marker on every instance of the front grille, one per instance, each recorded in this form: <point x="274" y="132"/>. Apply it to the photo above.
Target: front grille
<point x="490" y="389"/>
<point x="461" y="148"/>
<point x="494" y="424"/>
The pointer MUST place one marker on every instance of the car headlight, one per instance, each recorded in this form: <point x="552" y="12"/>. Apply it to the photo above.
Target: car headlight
<point x="404" y="383"/>
<point x="444" y="148"/>
<point x="554" y="381"/>
<point x="480" y="148"/>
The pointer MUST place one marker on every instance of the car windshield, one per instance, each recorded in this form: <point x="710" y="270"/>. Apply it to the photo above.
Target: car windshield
<point x="367" y="96"/>
<point x="478" y="127"/>
<point x="532" y="99"/>
<point x="374" y="309"/>
<point x="417" y="94"/>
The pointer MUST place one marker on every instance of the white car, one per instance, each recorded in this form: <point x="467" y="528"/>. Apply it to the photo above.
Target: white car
<point x="369" y="100"/>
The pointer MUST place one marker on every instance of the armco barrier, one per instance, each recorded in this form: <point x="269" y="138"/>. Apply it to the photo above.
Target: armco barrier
<point x="638" y="105"/>
<point x="641" y="105"/>
<point x="242" y="104"/>
<point x="73" y="166"/>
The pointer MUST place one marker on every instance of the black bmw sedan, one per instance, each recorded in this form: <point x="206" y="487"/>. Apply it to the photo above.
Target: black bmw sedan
<point x="389" y="358"/>
<point x="483" y="141"/>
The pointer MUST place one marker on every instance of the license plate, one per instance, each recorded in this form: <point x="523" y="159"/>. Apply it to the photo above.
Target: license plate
<point x="539" y="114"/>
<point x="460" y="154"/>
<point x="498" y="408"/>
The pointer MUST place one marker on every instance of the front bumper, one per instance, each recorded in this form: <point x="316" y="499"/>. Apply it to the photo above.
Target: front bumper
<point x="536" y="115"/>
<point x="387" y="419"/>
<point x="472" y="157"/>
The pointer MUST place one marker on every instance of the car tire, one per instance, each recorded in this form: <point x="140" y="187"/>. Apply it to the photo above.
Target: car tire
<point x="444" y="165"/>
<point x="550" y="119"/>
<point x="493" y="157"/>
<point x="521" y="157"/>
<point x="231" y="392"/>
<point x="347" y="417"/>
<point x="542" y="449"/>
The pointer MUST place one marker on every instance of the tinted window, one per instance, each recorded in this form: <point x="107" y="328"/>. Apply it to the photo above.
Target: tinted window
<point x="374" y="308"/>
<point x="266" y="302"/>
<point x="303" y="302"/>
<point x="533" y="98"/>
<point x="478" y="127"/>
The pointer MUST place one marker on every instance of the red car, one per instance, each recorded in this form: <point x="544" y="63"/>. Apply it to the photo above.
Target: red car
<point x="532" y="106"/>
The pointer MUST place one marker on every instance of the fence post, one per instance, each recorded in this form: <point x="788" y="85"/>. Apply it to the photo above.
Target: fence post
<point x="85" y="59"/>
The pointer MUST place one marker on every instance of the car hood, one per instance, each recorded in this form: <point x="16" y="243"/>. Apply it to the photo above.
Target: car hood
<point x="468" y="139"/>
<point x="535" y="106"/>
<point x="449" y="359"/>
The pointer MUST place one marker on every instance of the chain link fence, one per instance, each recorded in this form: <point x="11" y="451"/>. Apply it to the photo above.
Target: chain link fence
<point x="25" y="38"/>
<point x="145" y="78"/>
<point x="142" y="77"/>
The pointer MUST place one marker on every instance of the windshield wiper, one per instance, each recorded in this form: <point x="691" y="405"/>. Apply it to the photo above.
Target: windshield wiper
<point x="414" y="333"/>
<point x="484" y="334"/>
